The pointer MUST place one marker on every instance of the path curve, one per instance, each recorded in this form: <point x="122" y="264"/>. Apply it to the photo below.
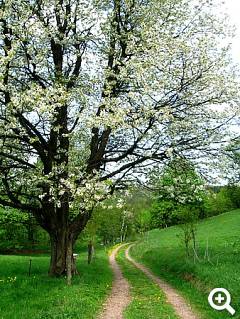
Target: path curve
<point x="120" y="295"/>
<point x="183" y="310"/>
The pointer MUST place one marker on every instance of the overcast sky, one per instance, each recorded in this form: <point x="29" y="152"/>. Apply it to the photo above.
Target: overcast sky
<point x="232" y="7"/>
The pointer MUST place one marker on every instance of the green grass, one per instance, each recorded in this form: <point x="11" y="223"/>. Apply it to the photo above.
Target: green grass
<point x="162" y="251"/>
<point x="149" y="301"/>
<point x="41" y="297"/>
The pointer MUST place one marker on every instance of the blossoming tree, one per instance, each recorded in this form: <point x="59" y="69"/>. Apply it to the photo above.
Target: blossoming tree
<point x="179" y="198"/>
<point x="92" y="92"/>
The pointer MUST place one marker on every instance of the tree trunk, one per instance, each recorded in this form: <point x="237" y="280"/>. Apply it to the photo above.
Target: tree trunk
<point x="63" y="237"/>
<point x="61" y="253"/>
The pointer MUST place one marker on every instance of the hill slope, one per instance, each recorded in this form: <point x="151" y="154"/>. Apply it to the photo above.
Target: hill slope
<point x="218" y="249"/>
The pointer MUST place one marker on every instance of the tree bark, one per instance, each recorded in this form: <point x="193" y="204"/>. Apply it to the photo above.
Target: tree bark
<point x="63" y="236"/>
<point x="61" y="253"/>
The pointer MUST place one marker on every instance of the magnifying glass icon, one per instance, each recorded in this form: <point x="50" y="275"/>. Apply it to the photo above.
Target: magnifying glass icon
<point x="220" y="299"/>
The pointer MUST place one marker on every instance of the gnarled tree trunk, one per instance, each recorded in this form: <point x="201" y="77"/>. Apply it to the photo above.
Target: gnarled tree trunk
<point x="61" y="252"/>
<point x="63" y="237"/>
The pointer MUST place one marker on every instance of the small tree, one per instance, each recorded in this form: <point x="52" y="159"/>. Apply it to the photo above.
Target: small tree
<point x="179" y="198"/>
<point x="188" y="216"/>
<point x="161" y="213"/>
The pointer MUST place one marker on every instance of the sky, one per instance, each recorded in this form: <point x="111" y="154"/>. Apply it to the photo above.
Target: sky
<point x="232" y="8"/>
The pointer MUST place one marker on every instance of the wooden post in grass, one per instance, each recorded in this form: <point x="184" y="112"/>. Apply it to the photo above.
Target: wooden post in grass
<point x="74" y="265"/>
<point x="69" y="262"/>
<point x="90" y="251"/>
<point x="30" y="267"/>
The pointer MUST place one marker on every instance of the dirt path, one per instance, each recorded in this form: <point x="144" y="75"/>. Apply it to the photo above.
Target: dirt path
<point x="120" y="295"/>
<point x="183" y="310"/>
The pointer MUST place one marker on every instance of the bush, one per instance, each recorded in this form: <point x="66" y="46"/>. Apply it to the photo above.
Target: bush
<point x="224" y="200"/>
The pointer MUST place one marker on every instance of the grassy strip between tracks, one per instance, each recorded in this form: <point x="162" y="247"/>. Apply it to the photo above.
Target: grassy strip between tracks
<point x="148" y="301"/>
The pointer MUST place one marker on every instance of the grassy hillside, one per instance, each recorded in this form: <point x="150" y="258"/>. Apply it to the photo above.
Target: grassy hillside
<point x="218" y="248"/>
<point x="41" y="297"/>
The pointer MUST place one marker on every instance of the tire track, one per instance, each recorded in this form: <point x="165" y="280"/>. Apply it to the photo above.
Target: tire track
<point x="183" y="310"/>
<point x="120" y="294"/>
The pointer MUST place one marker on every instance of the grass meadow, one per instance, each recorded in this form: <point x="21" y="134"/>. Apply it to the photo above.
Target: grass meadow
<point x="41" y="297"/>
<point x="217" y="265"/>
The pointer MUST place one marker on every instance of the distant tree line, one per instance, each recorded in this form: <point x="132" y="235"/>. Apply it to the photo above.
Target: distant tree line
<point x="180" y="197"/>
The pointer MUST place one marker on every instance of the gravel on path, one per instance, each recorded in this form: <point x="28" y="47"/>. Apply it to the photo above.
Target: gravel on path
<point x="120" y="294"/>
<point x="182" y="309"/>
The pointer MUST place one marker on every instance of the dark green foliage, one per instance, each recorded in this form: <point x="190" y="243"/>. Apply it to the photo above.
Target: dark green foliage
<point x="141" y="220"/>
<point x="161" y="214"/>
<point x="221" y="200"/>
<point x="233" y="193"/>
<point x="178" y="186"/>
<point x="114" y="223"/>
<point x="105" y="225"/>
<point x="139" y="203"/>
<point x="19" y="230"/>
